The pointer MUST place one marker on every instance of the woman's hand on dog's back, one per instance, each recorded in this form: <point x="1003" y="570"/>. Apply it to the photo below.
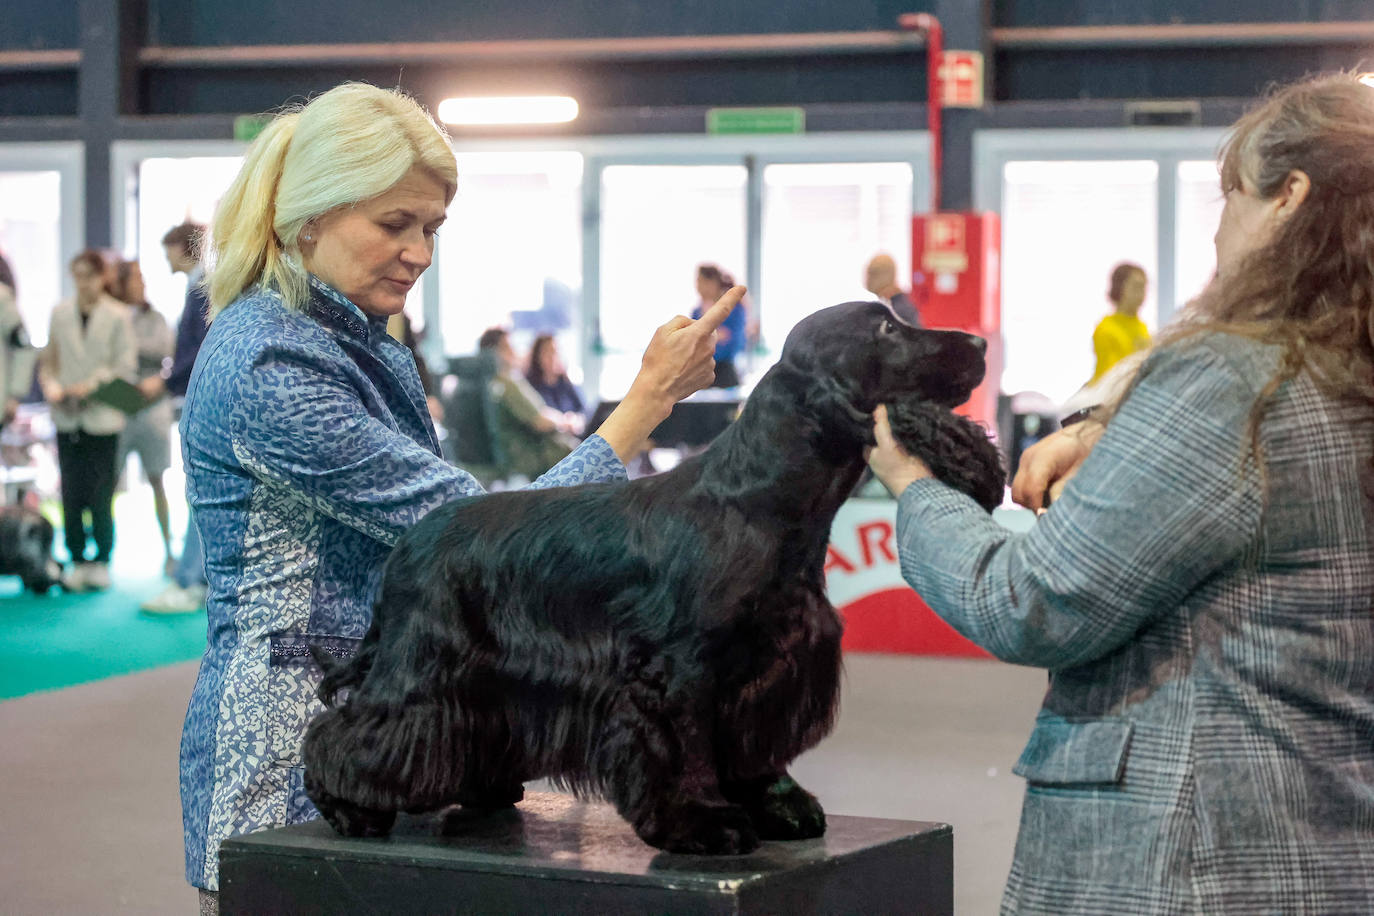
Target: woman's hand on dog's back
<point x="679" y="360"/>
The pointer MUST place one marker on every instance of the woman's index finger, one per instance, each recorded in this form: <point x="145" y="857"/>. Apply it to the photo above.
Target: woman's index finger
<point x="713" y="317"/>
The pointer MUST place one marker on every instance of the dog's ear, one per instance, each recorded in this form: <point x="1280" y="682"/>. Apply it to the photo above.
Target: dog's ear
<point x="837" y="405"/>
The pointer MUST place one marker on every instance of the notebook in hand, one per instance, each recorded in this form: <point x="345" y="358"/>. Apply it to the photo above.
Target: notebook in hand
<point x="120" y="394"/>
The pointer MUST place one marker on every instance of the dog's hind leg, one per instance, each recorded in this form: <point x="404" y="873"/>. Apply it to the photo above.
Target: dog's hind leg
<point x="779" y="808"/>
<point x="658" y="770"/>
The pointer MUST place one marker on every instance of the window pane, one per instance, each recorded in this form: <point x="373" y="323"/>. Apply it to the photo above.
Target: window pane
<point x="30" y="240"/>
<point x="510" y="254"/>
<point x="1064" y="226"/>
<point x="1199" y="211"/>
<point x="171" y="192"/>
<point x="821" y="224"/>
<point x="657" y="224"/>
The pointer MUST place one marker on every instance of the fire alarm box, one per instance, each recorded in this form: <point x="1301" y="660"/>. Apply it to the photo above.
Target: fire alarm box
<point x="956" y="283"/>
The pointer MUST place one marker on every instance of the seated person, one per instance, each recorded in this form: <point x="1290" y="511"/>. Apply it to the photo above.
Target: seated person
<point x="531" y="442"/>
<point x="547" y="377"/>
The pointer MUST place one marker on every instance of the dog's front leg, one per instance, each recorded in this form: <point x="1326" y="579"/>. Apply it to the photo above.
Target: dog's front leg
<point x="657" y="765"/>
<point x="779" y="808"/>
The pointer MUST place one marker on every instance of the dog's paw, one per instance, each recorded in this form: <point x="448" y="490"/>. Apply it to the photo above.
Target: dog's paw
<point x="491" y="798"/>
<point x="786" y="811"/>
<point x="708" y="830"/>
<point x="349" y="819"/>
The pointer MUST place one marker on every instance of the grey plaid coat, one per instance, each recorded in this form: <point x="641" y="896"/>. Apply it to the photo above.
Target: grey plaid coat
<point x="1206" y="744"/>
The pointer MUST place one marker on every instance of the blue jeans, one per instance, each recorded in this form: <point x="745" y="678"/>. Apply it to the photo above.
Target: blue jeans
<point x="191" y="567"/>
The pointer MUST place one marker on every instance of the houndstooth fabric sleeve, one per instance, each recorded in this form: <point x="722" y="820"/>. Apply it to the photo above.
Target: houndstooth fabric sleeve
<point x="1164" y="500"/>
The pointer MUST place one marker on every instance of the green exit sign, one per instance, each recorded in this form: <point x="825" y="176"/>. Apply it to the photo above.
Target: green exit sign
<point x="755" y="121"/>
<point x="247" y="127"/>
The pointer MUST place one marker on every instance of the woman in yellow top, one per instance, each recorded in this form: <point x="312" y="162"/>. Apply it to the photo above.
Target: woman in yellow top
<point x="1121" y="333"/>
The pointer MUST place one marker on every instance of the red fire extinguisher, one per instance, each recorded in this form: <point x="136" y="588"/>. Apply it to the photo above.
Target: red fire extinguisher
<point x="956" y="256"/>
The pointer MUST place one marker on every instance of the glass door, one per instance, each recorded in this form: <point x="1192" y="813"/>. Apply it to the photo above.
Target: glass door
<point x="658" y="222"/>
<point x="1065" y="225"/>
<point x="31" y="244"/>
<point x="822" y="222"/>
<point x="172" y="191"/>
<point x="1197" y="213"/>
<point x="510" y="254"/>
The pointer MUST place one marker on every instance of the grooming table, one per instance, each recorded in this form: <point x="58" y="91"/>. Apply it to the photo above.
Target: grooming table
<point x="555" y="854"/>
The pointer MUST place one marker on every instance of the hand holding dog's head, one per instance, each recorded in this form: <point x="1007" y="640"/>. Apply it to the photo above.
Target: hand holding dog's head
<point x="859" y="355"/>
<point x="953" y="448"/>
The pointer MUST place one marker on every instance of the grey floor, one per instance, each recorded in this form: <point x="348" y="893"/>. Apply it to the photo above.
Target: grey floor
<point x="90" y="821"/>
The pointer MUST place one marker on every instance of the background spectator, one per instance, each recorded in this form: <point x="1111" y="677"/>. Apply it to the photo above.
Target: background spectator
<point x="90" y="342"/>
<point x="148" y="433"/>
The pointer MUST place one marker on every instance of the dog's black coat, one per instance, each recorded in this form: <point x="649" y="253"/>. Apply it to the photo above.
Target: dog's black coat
<point x="26" y="548"/>
<point x="665" y="643"/>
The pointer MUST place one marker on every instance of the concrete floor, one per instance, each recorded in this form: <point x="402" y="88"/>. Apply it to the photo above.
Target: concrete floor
<point x="92" y="823"/>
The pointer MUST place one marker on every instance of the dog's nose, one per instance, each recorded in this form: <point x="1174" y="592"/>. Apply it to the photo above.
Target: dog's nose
<point x="979" y="344"/>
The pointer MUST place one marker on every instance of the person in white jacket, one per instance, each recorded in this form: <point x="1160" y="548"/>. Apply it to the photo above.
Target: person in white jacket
<point x="90" y="342"/>
<point x="16" y="355"/>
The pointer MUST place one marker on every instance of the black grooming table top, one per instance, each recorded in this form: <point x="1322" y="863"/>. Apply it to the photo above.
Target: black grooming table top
<point x="555" y="854"/>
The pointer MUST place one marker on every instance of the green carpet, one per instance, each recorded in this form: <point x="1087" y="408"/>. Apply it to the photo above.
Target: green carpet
<point x="61" y="639"/>
<point x="65" y="639"/>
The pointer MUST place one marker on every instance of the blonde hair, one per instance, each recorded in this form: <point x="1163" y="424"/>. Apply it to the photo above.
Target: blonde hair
<point x="347" y="145"/>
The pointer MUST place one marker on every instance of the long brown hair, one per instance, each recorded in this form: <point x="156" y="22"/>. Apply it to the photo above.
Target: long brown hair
<point x="536" y="370"/>
<point x="1310" y="287"/>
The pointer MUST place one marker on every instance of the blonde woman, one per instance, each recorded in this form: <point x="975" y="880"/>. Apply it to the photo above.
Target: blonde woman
<point x="307" y="444"/>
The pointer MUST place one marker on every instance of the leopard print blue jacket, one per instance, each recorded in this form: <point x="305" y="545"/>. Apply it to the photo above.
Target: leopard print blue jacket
<point x="308" y="450"/>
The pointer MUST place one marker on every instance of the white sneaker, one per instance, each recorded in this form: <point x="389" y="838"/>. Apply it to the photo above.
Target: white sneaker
<point x="176" y="600"/>
<point x="96" y="576"/>
<point x="74" y="577"/>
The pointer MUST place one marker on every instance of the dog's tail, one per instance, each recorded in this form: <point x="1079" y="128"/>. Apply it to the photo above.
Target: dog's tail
<point x="342" y="674"/>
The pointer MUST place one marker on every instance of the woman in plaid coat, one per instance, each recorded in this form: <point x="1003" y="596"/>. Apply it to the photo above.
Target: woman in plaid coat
<point x="1203" y="591"/>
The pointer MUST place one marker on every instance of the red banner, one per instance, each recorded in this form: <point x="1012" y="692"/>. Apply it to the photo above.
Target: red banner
<point x="881" y="612"/>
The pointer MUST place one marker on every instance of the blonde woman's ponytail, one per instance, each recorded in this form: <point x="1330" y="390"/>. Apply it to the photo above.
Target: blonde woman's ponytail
<point x="349" y="144"/>
<point x="246" y="248"/>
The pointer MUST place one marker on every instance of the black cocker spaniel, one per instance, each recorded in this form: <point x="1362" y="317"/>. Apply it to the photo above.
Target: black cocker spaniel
<point x="665" y="643"/>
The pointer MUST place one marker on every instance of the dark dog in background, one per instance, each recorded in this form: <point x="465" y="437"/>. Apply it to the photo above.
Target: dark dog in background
<point x="26" y="548"/>
<point x="665" y="643"/>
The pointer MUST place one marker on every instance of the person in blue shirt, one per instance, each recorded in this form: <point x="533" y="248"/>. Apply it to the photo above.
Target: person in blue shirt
<point x="712" y="283"/>
<point x="307" y="441"/>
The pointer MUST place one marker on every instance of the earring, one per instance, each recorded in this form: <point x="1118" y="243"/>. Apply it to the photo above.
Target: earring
<point x="309" y="238"/>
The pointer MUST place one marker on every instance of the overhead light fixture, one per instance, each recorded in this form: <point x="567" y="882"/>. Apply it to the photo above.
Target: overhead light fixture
<point x="528" y="109"/>
<point x="1367" y="79"/>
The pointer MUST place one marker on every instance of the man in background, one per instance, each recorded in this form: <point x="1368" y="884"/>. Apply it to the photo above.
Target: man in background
<point x="183" y="247"/>
<point x="880" y="279"/>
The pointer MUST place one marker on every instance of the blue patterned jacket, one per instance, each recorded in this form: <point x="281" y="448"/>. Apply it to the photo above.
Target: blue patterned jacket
<point x="308" y="450"/>
<point x="1206" y="744"/>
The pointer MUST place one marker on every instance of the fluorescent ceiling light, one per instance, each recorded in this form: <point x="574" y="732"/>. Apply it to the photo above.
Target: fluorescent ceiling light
<point x="530" y="109"/>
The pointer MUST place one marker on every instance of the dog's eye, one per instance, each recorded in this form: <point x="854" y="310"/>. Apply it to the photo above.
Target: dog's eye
<point x="887" y="327"/>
